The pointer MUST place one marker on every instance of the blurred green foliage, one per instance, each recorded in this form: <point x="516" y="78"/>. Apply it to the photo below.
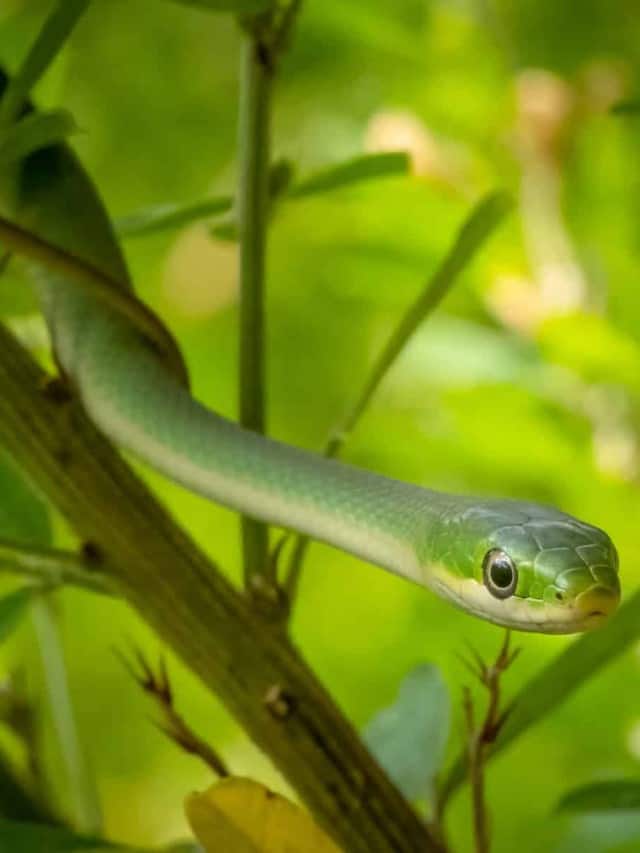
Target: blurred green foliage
<point x="526" y="383"/>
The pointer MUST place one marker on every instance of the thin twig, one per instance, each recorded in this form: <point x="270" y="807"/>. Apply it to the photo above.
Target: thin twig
<point x="158" y="686"/>
<point x="480" y="737"/>
<point x="54" y="567"/>
<point x="46" y="46"/>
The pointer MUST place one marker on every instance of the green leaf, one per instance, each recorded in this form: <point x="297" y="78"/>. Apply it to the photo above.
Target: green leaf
<point x="165" y="216"/>
<point x="238" y="7"/>
<point x="476" y="228"/>
<point x="23" y="515"/>
<point x="365" y="168"/>
<point x="559" y="679"/>
<point x="613" y="795"/>
<point x="12" y="608"/>
<point x="410" y="737"/>
<point x="35" y="131"/>
<point x="36" y="838"/>
<point x="54" y="33"/>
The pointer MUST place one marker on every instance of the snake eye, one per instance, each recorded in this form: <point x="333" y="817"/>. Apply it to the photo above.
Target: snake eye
<point x="499" y="573"/>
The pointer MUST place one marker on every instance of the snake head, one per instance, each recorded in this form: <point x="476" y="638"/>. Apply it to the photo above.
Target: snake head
<point x="533" y="568"/>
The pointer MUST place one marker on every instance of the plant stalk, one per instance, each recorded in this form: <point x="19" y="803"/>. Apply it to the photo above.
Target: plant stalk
<point x="252" y="201"/>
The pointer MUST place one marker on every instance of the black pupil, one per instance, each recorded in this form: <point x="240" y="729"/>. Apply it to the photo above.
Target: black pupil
<point x="501" y="572"/>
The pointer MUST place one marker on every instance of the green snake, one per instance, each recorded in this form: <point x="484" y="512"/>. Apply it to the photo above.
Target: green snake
<point x="514" y="563"/>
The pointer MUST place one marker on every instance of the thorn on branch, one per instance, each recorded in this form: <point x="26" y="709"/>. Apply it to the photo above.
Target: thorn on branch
<point x="92" y="554"/>
<point x="279" y="702"/>
<point x="157" y="685"/>
<point x="56" y="389"/>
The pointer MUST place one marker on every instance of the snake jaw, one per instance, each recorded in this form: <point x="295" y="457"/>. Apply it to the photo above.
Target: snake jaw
<point x="589" y="610"/>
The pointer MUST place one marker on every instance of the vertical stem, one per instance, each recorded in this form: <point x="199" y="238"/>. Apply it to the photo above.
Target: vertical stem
<point x="87" y="817"/>
<point x="253" y="148"/>
<point x="476" y="774"/>
<point x="476" y="778"/>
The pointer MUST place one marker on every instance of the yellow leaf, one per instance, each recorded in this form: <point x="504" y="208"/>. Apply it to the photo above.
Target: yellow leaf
<point x="241" y="816"/>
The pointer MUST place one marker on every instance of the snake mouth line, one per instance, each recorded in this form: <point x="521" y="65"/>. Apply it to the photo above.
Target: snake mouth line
<point x="590" y="609"/>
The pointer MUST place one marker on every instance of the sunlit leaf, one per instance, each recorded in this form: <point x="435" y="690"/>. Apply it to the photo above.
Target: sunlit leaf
<point x="613" y="795"/>
<point x="54" y="33"/>
<point x="36" y="838"/>
<point x="365" y="168"/>
<point x="409" y="737"/>
<point x="35" y="131"/>
<point x="238" y="7"/>
<point x="164" y="216"/>
<point x="12" y="608"/>
<point x="244" y="816"/>
<point x="560" y="678"/>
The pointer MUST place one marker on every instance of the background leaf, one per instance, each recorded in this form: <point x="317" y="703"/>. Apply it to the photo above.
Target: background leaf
<point x="627" y="107"/>
<point x="409" y="738"/>
<point x="357" y="170"/>
<point x="364" y="168"/>
<point x="612" y="795"/>
<point x="164" y="216"/>
<point x="34" y="131"/>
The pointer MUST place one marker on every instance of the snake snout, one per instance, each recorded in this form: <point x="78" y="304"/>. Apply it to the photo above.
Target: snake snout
<point x="599" y="601"/>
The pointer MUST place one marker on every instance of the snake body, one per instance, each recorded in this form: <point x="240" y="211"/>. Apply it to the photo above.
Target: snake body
<point x="514" y="563"/>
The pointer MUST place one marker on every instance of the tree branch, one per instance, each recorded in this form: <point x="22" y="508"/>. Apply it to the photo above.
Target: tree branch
<point x="249" y="664"/>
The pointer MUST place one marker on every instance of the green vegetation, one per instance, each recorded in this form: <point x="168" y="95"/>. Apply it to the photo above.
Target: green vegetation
<point x="380" y="150"/>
